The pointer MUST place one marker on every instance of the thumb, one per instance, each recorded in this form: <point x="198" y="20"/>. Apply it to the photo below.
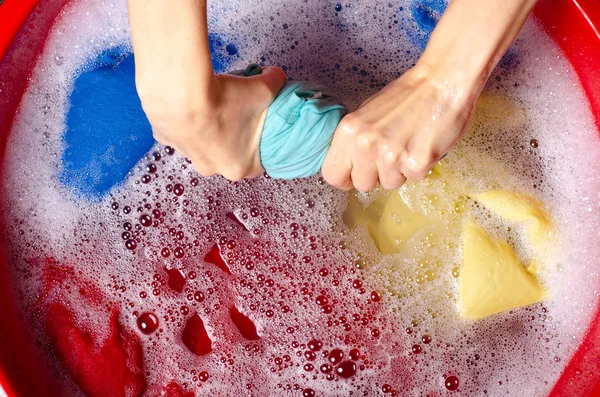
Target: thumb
<point x="268" y="83"/>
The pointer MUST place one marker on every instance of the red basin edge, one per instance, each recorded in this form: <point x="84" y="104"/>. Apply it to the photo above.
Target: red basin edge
<point x="573" y="24"/>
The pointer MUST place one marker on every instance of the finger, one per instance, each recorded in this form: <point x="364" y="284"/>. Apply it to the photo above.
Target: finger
<point x="416" y="168"/>
<point x="418" y="159"/>
<point x="425" y="151"/>
<point x="364" y="173"/>
<point x="336" y="169"/>
<point x="388" y="162"/>
<point x="391" y="178"/>
<point x="337" y="166"/>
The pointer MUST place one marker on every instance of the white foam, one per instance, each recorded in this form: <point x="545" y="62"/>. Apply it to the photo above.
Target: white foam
<point x="516" y="351"/>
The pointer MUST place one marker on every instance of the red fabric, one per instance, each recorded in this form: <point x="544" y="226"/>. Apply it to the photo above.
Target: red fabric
<point x="243" y="324"/>
<point x="111" y="366"/>
<point x="174" y="390"/>
<point x="214" y="257"/>
<point x="195" y="336"/>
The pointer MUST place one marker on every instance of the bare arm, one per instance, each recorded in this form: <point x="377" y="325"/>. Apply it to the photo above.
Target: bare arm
<point x="471" y="38"/>
<point x="206" y="117"/>
<point x="171" y="36"/>
<point x="401" y="131"/>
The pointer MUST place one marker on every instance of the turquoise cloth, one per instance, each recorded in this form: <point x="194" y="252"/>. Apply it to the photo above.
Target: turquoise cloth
<point x="298" y="130"/>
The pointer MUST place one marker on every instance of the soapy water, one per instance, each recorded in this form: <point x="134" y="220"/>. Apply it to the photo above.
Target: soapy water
<point x="258" y="287"/>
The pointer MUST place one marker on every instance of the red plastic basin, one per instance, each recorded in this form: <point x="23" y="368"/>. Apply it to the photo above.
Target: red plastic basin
<point x="573" y="24"/>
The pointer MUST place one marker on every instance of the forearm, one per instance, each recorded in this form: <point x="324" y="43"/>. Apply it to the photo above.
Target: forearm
<point x="469" y="41"/>
<point x="171" y="37"/>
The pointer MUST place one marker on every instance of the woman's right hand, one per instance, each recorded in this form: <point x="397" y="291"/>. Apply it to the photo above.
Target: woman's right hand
<point x="214" y="120"/>
<point x="218" y="127"/>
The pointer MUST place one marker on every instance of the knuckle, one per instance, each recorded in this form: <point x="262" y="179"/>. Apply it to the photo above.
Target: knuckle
<point x="349" y="124"/>
<point x="420" y="162"/>
<point x="334" y="172"/>
<point x="203" y="168"/>
<point x="390" y="157"/>
<point x="365" y="140"/>
<point x="235" y="172"/>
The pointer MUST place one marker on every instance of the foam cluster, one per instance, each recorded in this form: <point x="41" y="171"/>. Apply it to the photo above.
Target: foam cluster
<point x="258" y="287"/>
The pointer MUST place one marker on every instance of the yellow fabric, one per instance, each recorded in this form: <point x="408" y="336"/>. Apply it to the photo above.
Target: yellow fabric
<point x="492" y="279"/>
<point x="389" y="220"/>
<point x="519" y="208"/>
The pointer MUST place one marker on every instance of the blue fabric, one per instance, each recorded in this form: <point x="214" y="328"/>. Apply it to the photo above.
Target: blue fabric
<point x="298" y="130"/>
<point x="107" y="132"/>
<point x="426" y="14"/>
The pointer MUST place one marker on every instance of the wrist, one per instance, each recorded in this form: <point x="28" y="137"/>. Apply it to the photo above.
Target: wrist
<point x="470" y="39"/>
<point x="456" y="87"/>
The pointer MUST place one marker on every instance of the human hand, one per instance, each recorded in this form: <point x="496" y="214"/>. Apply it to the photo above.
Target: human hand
<point x="403" y="130"/>
<point x="398" y="133"/>
<point x="215" y="120"/>
<point x="218" y="128"/>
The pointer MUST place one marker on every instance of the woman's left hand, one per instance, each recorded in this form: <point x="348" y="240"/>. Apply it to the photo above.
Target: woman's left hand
<point x="398" y="133"/>
<point x="401" y="131"/>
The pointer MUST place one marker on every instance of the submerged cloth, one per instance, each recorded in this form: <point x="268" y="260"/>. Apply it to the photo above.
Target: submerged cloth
<point x="298" y="128"/>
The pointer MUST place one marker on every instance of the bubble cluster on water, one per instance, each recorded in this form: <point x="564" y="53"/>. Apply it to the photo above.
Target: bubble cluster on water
<point x="331" y="315"/>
